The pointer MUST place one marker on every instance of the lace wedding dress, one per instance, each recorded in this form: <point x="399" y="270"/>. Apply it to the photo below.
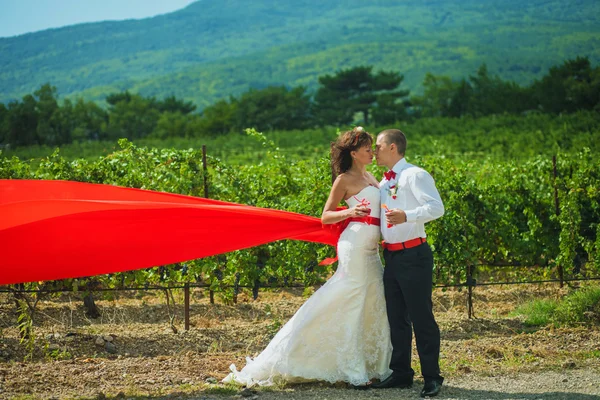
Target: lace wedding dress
<point x="341" y="333"/>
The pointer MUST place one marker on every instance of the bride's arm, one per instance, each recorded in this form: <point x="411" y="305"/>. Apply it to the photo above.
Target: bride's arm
<point x="330" y="213"/>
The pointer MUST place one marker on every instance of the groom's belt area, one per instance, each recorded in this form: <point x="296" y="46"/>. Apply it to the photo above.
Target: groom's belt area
<point x="404" y="245"/>
<point x="367" y="220"/>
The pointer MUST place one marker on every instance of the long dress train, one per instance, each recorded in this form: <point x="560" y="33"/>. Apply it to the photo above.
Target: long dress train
<point x="341" y="333"/>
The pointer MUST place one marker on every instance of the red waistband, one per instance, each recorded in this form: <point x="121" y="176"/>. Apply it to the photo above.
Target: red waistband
<point x="343" y="224"/>
<point x="403" y="245"/>
<point x="367" y="220"/>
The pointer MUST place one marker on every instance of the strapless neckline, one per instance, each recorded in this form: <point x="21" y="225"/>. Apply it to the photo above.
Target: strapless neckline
<point x="361" y="190"/>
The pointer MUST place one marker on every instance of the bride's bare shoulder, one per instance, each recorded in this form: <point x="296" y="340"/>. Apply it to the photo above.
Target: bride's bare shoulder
<point x="373" y="180"/>
<point x="343" y="177"/>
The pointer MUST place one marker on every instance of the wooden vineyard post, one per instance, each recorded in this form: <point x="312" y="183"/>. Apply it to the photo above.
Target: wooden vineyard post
<point x="561" y="272"/>
<point x="186" y="301"/>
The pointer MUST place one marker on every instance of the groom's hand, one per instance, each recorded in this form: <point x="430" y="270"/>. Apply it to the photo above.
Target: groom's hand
<point x="395" y="216"/>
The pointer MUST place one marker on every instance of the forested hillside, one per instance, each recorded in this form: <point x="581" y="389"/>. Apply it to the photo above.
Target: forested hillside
<point x="212" y="49"/>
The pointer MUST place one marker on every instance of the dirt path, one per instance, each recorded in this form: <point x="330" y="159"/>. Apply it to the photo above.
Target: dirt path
<point x="131" y="352"/>
<point x="96" y="383"/>
<point x="581" y="384"/>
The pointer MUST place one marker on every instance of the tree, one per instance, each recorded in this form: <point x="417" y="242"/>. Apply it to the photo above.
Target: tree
<point x="390" y="106"/>
<point x="174" y="124"/>
<point x="492" y="95"/>
<point x="170" y="103"/>
<point x="51" y="128"/>
<point x="274" y="107"/>
<point x="3" y="124"/>
<point x="21" y="123"/>
<point x="389" y="110"/>
<point x="218" y="118"/>
<point x="572" y="86"/>
<point x="438" y="95"/>
<point x="357" y="90"/>
<point x="132" y="117"/>
<point x="174" y="105"/>
<point x="115" y="98"/>
<point x="90" y="120"/>
<point x="460" y="103"/>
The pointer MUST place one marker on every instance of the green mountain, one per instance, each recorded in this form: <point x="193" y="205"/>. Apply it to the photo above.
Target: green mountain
<point x="214" y="48"/>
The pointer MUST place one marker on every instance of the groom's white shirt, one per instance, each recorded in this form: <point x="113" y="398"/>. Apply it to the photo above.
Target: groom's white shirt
<point x="416" y="195"/>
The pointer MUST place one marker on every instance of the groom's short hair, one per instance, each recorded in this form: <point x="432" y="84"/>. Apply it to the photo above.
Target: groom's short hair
<point x="397" y="137"/>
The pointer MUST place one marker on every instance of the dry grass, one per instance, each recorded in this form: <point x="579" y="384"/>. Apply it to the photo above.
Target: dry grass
<point x="153" y="361"/>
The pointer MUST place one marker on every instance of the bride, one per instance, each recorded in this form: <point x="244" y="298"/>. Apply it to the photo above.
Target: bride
<point x="341" y="333"/>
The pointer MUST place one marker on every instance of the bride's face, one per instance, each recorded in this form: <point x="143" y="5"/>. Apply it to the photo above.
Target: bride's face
<point x="363" y="155"/>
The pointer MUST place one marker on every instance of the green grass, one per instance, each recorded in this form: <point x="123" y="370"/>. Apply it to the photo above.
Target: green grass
<point x="577" y="308"/>
<point x="580" y="307"/>
<point x="592" y="354"/>
<point x="228" y="389"/>
<point x="537" y="312"/>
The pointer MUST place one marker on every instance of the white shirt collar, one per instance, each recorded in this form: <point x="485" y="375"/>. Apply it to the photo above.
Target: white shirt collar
<point x="400" y="165"/>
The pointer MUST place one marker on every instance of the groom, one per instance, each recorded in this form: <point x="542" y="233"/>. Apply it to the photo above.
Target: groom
<point x="411" y="198"/>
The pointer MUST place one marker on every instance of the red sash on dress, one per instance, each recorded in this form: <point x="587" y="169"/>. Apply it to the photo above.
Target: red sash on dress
<point x="339" y="227"/>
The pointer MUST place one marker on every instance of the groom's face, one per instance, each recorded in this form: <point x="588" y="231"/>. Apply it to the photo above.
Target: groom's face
<point x="382" y="150"/>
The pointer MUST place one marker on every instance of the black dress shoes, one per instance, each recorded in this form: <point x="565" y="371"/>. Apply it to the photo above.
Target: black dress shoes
<point x="393" y="382"/>
<point x="361" y="387"/>
<point x="431" y="388"/>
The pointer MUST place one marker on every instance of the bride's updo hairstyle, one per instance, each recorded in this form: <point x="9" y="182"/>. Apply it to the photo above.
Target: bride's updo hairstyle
<point x="349" y="141"/>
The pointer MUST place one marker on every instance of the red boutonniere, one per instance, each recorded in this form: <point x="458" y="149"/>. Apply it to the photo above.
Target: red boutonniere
<point x="393" y="191"/>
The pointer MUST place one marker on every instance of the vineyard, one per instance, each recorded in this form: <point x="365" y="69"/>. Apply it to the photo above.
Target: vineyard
<point x="529" y="218"/>
<point x="522" y="206"/>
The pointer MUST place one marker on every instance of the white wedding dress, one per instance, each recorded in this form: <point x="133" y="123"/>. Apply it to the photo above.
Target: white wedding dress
<point x="341" y="333"/>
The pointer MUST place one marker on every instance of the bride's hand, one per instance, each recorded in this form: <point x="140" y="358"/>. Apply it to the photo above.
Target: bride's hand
<point x="359" y="211"/>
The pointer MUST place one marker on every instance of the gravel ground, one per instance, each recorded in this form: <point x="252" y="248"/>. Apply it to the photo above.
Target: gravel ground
<point x="581" y="384"/>
<point x="102" y="380"/>
<point x="132" y="353"/>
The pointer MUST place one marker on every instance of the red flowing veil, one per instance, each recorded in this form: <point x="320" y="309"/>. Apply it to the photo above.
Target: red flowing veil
<point x="53" y="230"/>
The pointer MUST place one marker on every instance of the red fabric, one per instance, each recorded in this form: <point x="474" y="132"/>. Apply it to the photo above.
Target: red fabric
<point x="367" y="220"/>
<point x="339" y="227"/>
<point x="59" y="229"/>
<point x="389" y="175"/>
<point x="404" y="245"/>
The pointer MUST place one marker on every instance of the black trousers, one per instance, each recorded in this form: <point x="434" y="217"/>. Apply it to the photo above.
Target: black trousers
<point x="407" y="280"/>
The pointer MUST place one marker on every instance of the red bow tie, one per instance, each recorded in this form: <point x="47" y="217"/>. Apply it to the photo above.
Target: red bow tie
<point x="389" y="175"/>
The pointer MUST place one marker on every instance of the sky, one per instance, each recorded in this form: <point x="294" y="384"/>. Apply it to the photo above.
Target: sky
<point x="22" y="16"/>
